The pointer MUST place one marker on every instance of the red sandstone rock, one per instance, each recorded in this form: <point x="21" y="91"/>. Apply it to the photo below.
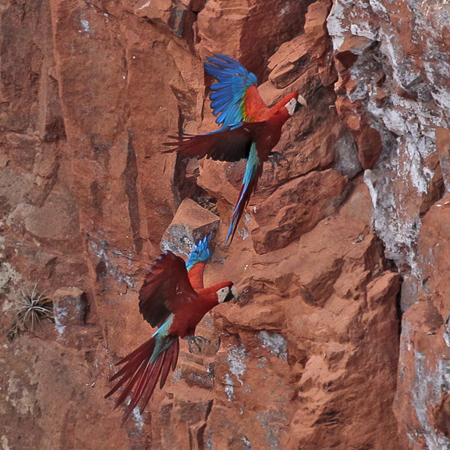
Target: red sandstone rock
<point x="308" y="357"/>
<point x="284" y="216"/>
<point x="190" y="224"/>
<point x="336" y="261"/>
<point x="290" y="62"/>
<point x="420" y="404"/>
<point x="350" y="105"/>
<point x="443" y="150"/>
<point x="318" y="41"/>
<point x="251" y="30"/>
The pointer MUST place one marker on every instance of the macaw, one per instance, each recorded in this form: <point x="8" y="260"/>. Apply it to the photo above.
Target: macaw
<point x="173" y="299"/>
<point x="249" y="129"/>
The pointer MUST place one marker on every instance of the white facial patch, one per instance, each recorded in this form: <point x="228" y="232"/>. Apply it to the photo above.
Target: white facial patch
<point x="290" y="106"/>
<point x="222" y="293"/>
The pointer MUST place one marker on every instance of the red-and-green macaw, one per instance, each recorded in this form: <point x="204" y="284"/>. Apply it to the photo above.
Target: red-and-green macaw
<point x="249" y="129"/>
<point x="173" y="299"/>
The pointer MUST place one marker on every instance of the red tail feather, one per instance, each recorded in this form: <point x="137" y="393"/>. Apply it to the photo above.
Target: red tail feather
<point x="172" y="358"/>
<point x="141" y="376"/>
<point x="146" y="385"/>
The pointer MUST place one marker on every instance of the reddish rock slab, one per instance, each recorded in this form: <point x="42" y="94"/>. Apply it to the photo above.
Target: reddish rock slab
<point x="421" y="404"/>
<point x="315" y="359"/>
<point x="318" y="40"/>
<point x="286" y="215"/>
<point x="190" y="224"/>
<point x="289" y="62"/>
<point x="250" y="32"/>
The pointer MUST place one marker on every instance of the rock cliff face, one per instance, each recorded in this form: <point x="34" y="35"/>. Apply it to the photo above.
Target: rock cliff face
<point x="341" y="336"/>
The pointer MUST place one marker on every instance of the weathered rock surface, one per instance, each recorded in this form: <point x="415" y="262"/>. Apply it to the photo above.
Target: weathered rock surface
<point x="421" y="403"/>
<point x="394" y="84"/>
<point x="341" y="336"/>
<point x="285" y="215"/>
<point x="190" y="224"/>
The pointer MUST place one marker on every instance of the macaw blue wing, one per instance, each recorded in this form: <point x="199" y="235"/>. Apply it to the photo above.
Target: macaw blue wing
<point x="228" y="94"/>
<point x="200" y="253"/>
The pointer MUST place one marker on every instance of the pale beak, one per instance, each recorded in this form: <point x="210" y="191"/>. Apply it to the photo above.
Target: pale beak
<point x="301" y="100"/>
<point x="235" y="293"/>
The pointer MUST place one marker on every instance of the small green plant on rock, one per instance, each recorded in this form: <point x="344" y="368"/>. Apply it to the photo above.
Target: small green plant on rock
<point x="30" y="311"/>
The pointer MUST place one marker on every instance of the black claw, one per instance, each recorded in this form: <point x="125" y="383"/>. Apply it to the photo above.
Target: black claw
<point x="199" y="341"/>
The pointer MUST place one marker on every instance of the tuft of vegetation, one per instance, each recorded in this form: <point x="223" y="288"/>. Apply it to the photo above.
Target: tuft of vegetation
<point x="30" y="311"/>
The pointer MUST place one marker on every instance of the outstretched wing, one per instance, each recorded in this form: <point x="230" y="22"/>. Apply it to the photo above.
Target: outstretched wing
<point x="230" y="100"/>
<point x="165" y="287"/>
<point x="230" y="144"/>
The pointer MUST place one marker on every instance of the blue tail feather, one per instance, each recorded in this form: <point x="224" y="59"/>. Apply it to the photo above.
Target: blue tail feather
<point x="249" y="180"/>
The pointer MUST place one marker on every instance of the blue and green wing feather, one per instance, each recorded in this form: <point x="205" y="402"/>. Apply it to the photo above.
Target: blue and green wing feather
<point x="228" y="94"/>
<point x="201" y="253"/>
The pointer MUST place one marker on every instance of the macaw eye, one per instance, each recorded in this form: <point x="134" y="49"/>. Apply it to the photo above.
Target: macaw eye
<point x="291" y="105"/>
<point x="222" y="294"/>
<point x="226" y="294"/>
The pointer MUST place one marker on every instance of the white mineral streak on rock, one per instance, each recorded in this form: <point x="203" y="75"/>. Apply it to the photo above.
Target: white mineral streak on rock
<point x="417" y="101"/>
<point x="406" y="127"/>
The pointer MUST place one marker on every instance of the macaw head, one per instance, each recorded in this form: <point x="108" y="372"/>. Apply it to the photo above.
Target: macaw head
<point x="227" y="293"/>
<point x="295" y="103"/>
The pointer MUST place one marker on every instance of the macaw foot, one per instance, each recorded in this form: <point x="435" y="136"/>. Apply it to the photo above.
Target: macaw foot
<point x="276" y="158"/>
<point x="198" y="341"/>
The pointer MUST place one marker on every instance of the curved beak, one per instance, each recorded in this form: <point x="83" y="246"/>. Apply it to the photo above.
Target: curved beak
<point x="302" y="100"/>
<point x="235" y="293"/>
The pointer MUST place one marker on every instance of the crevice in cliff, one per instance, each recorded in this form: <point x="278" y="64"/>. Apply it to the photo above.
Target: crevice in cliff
<point x="182" y="187"/>
<point x="129" y="176"/>
<point x="198" y="433"/>
<point x="184" y="184"/>
<point x="179" y="20"/>
<point x="398" y="304"/>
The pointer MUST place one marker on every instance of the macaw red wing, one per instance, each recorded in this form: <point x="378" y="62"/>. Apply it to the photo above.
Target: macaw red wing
<point x="165" y="286"/>
<point x="230" y="144"/>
